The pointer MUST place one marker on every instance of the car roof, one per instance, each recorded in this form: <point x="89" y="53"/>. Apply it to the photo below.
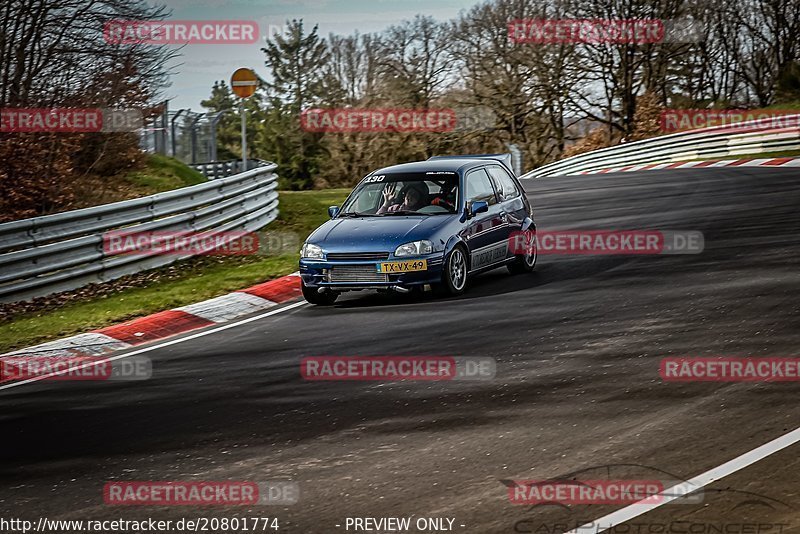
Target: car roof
<point x="452" y="165"/>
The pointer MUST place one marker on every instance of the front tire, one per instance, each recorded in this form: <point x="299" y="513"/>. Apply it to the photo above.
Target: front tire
<point x="313" y="296"/>
<point x="454" y="275"/>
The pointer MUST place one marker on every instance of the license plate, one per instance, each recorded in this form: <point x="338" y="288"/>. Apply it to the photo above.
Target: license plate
<point x="402" y="266"/>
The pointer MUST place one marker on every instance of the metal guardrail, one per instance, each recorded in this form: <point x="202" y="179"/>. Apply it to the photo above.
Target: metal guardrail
<point x="717" y="142"/>
<point x="221" y="169"/>
<point x="64" y="251"/>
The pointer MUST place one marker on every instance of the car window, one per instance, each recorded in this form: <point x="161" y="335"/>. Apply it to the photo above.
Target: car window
<point x="479" y="187"/>
<point x="429" y="193"/>
<point x="507" y="187"/>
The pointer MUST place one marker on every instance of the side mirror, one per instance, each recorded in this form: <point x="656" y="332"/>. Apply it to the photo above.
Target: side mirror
<point x="333" y="211"/>
<point x="479" y="206"/>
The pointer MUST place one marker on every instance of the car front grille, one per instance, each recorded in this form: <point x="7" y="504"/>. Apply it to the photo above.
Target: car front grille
<point x="358" y="256"/>
<point x="355" y="273"/>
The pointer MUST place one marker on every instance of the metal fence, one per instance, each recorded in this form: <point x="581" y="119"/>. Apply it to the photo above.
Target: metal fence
<point x="64" y="251"/>
<point x="184" y="134"/>
<point x="750" y="137"/>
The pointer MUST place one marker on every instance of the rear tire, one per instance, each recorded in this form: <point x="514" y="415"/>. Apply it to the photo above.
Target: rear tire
<point x="454" y="273"/>
<point x="525" y="263"/>
<point x="320" y="299"/>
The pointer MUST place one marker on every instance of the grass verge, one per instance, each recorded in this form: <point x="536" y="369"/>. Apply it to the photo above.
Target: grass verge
<point x="300" y="213"/>
<point x="163" y="173"/>
<point x="159" y="174"/>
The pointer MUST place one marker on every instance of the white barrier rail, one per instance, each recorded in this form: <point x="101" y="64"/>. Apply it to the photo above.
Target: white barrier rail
<point x="752" y="137"/>
<point x="45" y="255"/>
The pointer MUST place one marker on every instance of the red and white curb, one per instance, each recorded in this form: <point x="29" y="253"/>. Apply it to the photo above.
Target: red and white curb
<point x="748" y="162"/>
<point x="169" y="323"/>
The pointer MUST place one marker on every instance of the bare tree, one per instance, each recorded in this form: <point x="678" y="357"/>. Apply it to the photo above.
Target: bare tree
<point x="54" y="53"/>
<point x="351" y="72"/>
<point x="414" y="58"/>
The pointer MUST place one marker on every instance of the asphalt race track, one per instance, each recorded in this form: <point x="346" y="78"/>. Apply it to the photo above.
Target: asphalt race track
<point x="577" y="345"/>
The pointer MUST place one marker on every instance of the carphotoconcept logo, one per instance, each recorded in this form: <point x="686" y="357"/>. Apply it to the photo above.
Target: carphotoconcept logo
<point x="204" y="493"/>
<point x="729" y="369"/>
<point x="130" y="32"/>
<point x="564" y="497"/>
<point x="392" y="368"/>
<point x="24" y="367"/>
<point x="606" y="242"/>
<point x="750" y="513"/>
<point x="69" y="120"/>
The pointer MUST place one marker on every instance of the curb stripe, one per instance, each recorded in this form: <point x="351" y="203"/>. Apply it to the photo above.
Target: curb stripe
<point x="156" y="326"/>
<point x="280" y="290"/>
<point x="227" y="307"/>
<point x="161" y="325"/>
<point x="747" y="162"/>
<point x="90" y="343"/>
<point x="778" y="161"/>
<point x="165" y="343"/>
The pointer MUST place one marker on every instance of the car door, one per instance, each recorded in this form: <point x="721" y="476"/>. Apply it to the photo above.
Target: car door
<point x="511" y="201"/>
<point x="486" y="233"/>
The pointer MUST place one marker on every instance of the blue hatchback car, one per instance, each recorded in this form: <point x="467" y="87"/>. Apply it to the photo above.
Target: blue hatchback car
<point x="434" y="222"/>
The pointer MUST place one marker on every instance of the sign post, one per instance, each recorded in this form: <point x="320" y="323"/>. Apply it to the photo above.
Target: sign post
<point x="244" y="83"/>
<point x="243" y="113"/>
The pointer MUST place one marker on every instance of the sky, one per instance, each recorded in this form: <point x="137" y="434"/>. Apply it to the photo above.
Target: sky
<point x="200" y="65"/>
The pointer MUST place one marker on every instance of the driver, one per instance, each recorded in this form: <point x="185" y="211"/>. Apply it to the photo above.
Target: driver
<point x="414" y="197"/>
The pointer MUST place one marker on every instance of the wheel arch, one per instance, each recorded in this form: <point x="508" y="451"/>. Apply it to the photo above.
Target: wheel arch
<point x="452" y="243"/>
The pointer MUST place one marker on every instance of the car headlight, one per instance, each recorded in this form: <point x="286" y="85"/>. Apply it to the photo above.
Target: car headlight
<point x="416" y="248"/>
<point x="311" y="252"/>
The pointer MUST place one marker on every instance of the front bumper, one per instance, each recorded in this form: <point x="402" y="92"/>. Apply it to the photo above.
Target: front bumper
<point x="320" y="273"/>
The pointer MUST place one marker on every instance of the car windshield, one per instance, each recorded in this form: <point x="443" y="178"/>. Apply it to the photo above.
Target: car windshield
<point x="423" y="193"/>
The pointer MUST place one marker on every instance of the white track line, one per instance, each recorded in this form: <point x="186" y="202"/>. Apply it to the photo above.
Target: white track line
<point x="154" y="347"/>
<point x="636" y="509"/>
